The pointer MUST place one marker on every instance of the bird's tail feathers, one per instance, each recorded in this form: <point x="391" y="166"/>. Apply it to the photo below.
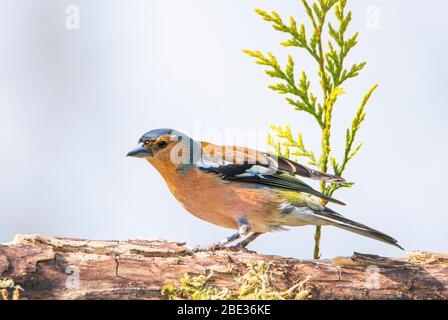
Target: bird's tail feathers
<point x="337" y="220"/>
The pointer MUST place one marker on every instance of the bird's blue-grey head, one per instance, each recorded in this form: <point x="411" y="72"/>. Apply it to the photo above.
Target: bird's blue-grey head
<point x="167" y="142"/>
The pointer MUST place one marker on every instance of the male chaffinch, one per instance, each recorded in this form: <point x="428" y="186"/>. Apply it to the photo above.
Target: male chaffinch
<point x="243" y="189"/>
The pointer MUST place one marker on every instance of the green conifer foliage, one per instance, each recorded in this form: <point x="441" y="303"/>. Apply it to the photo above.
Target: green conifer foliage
<point x="329" y="46"/>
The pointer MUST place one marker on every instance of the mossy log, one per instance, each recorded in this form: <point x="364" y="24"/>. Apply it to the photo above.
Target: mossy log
<point x="62" y="268"/>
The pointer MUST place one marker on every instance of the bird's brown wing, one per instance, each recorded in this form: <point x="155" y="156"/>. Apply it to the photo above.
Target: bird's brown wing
<point x="242" y="155"/>
<point x="284" y="181"/>
<point x="248" y="165"/>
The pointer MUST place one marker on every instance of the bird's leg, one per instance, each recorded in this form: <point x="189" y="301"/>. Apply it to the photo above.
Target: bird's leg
<point x="243" y="231"/>
<point x="248" y="239"/>
<point x="230" y="239"/>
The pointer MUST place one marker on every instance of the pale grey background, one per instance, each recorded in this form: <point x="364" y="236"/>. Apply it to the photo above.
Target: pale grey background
<point x="73" y="102"/>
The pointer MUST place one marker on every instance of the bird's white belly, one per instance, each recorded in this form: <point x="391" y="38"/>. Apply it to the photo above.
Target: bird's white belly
<point x="302" y="216"/>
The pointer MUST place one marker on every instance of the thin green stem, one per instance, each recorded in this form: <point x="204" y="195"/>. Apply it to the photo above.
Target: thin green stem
<point x="328" y="108"/>
<point x="317" y="236"/>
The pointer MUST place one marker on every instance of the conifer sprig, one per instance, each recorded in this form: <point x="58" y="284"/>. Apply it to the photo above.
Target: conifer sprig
<point x="332" y="73"/>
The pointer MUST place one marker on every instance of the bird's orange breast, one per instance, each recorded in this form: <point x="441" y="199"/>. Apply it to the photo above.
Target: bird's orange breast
<point x="221" y="202"/>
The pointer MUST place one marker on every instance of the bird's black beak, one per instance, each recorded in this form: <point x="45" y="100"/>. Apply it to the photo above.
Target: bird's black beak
<point x="140" y="152"/>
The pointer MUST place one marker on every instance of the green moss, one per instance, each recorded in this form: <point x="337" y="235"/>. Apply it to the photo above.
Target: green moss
<point x="255" y="284"/>
<point x="8" y="288"/>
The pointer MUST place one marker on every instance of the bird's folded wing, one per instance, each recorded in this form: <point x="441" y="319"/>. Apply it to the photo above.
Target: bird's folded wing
<point x="248" y="165"/>
<point x="284" y="181"/>
<point x="240" y="155"/>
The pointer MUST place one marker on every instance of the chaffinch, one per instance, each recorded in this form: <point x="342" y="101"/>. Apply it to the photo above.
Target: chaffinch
<point x="243" y="189"/>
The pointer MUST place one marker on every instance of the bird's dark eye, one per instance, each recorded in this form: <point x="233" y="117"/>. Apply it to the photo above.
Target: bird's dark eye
<point x="162" y="144"/>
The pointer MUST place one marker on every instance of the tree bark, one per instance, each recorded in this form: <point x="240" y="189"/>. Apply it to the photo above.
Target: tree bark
<point x="62" y="268"/>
